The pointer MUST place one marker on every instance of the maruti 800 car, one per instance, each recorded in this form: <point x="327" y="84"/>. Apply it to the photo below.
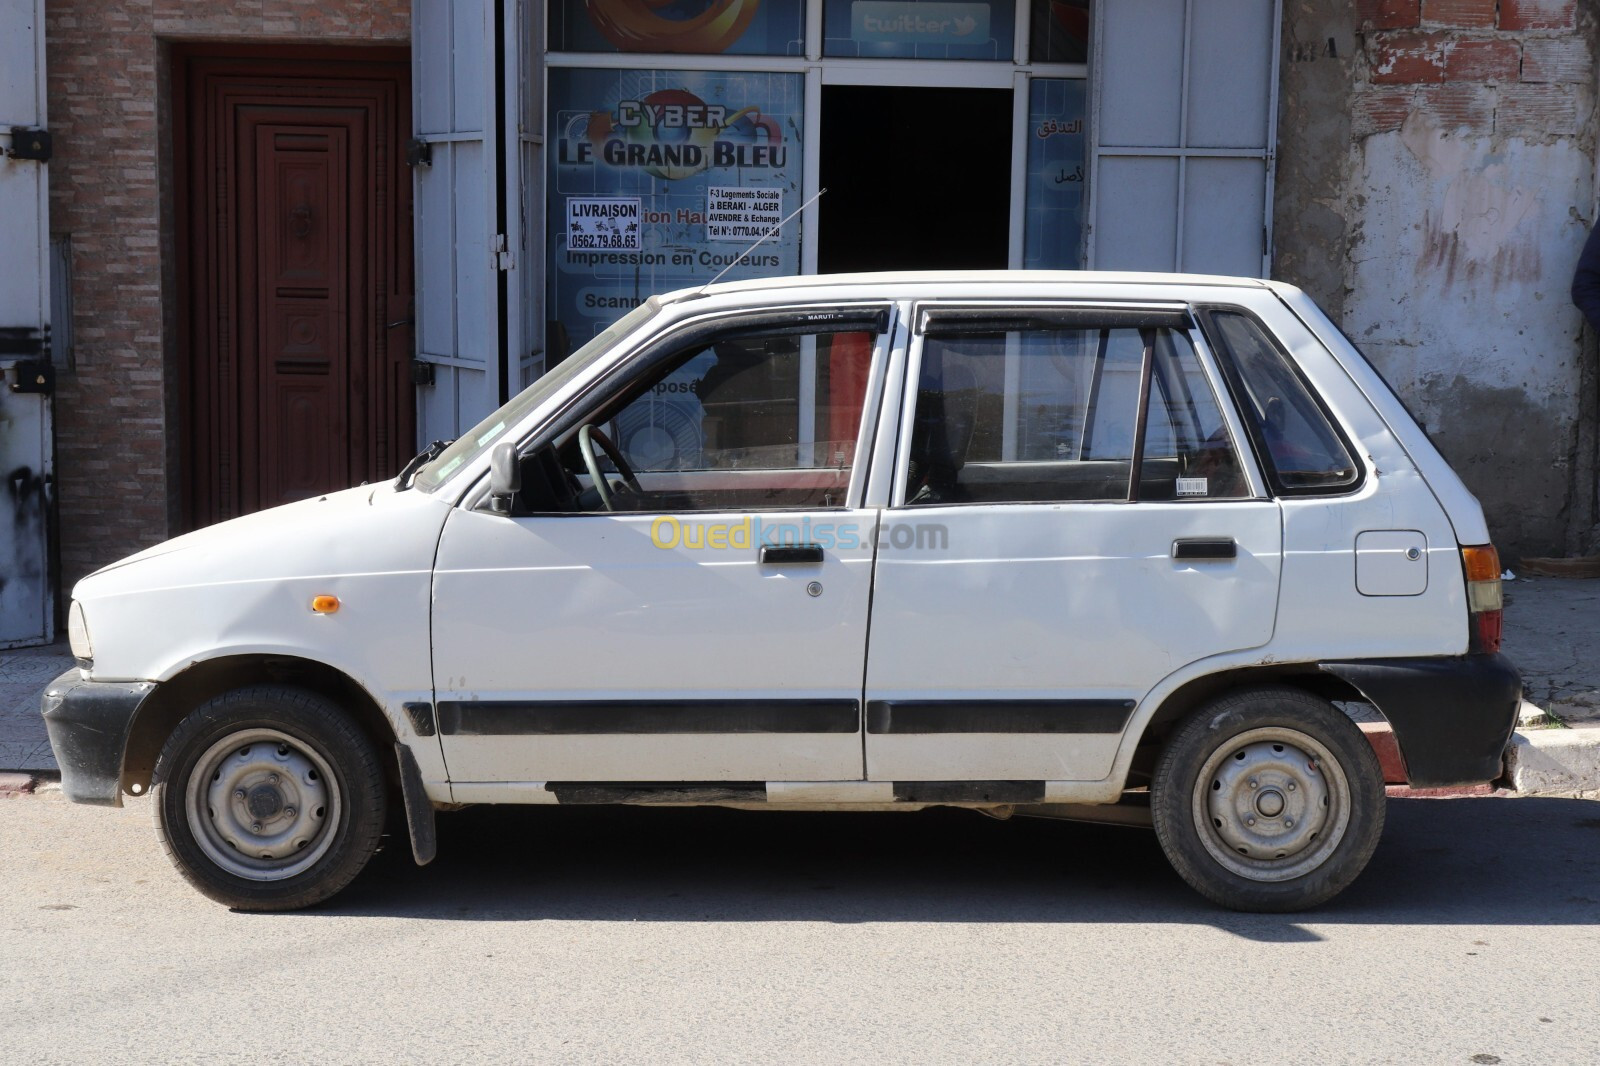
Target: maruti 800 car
<point x="1064" y="544"/>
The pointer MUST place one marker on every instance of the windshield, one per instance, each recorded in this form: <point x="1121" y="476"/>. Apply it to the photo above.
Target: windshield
<point x="474" y="441"/>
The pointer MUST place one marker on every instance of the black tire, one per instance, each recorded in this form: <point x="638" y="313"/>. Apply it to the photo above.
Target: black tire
<point x="1270" y="754"/>
<point x="301" y="794"/>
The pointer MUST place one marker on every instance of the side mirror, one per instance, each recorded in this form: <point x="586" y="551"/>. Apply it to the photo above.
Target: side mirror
<point x="505" y="477"/>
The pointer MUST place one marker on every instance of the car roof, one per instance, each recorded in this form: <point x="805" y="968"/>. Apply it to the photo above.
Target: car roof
<point x="907" y="282"/>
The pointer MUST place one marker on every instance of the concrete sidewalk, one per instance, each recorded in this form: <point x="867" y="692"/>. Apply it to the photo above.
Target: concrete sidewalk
<point x="1552" y="633"/>
<point x="24" y="675"/>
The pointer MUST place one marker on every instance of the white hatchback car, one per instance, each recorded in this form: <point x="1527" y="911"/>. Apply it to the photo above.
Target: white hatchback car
<point x="1078" y="545"/>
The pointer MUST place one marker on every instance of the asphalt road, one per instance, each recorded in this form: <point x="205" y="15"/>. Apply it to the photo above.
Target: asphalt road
<point x="637" y="936"/>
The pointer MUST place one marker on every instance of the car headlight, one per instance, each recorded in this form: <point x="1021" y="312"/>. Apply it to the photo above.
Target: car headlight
<point x="78" y="634"/>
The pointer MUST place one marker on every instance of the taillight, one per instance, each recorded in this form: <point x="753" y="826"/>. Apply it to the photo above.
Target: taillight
<point x="1482" y="566"/>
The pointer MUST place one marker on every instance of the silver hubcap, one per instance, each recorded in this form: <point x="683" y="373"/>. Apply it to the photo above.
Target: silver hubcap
<point x="263" y="805"/>
<point x="1271" y="804"/>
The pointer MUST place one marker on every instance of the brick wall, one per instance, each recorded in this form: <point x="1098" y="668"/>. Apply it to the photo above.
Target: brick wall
<point x="1502" y="67"/>
<point x="115" y="441"/>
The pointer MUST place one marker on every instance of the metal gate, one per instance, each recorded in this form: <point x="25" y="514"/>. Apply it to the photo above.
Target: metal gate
<point x="1183" y="137"/>
<point x="26" y="372"/>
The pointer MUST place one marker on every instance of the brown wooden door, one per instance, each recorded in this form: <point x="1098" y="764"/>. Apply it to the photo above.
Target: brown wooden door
<point x="295" y="223"/>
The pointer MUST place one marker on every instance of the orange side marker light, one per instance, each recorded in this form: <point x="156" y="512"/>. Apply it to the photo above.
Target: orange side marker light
<point x="324" y="604"/>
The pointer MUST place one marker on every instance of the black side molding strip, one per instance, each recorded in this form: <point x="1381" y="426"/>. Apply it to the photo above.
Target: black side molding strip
<point x="492" y="718"/>
<point x="646" y="792"/>
<point x="997" y="716"/>
<point x="421" y="715"/>
<point x="969" y="791"/>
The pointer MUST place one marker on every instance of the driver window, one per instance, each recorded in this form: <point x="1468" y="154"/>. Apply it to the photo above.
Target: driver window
<point x="746" y="420"/>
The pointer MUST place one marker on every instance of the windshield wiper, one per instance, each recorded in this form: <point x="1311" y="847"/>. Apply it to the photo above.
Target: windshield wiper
<point x="418" y="461"/>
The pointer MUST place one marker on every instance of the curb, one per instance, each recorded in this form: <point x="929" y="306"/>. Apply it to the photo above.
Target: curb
<point x="1554" y="760"/>
<point x="1539" y="762"/>
<point x="17" y="784"/>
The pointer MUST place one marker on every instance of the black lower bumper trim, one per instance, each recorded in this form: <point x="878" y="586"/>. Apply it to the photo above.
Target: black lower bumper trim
<point x="88" y="723"/>
<point x="1452" y="716"/>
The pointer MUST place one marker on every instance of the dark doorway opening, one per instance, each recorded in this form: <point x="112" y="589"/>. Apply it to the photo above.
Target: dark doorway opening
<point x="916" y="178"/>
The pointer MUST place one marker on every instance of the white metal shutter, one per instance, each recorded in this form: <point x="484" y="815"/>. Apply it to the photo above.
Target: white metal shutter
<point x="458" y="308"/>
<point x="1182" y="142"/>
<point x="26" y="459"/>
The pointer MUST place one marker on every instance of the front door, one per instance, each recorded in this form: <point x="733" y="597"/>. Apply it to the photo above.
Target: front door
<point x="698" y="615"/>
<point x="1060" y="554"/>
<point x="296" y="214"/>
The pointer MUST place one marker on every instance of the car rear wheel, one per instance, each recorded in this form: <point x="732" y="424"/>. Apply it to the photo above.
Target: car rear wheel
<point x="269" y="798"/>
<point x="1268" y="799"/>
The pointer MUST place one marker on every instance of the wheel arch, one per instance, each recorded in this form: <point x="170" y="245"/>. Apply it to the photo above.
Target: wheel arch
<point x="1182" y="701"/>
<point x="175" y="697"/>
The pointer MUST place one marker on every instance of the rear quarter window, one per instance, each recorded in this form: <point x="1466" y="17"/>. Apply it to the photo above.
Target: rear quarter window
<point x="1303" y="453"/>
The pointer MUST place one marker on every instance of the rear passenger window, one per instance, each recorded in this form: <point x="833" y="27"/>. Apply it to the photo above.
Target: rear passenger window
<point x="1303" y="449"/>
<point x="1051" y="414"/>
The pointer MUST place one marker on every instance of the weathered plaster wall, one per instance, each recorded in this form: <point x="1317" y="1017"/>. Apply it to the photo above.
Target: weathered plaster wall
<point x="1465" y="183"/>
<point x="1310" y="229"/>
<point x="115" y="445"/>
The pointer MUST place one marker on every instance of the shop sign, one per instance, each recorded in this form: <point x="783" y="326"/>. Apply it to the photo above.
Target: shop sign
<point x="610" y="224"/>
<point x="742" y="215"/>
<point x="661" y="178"/>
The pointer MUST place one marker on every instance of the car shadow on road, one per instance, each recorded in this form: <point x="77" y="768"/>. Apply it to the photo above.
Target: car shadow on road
<point x="1482" y="861"/>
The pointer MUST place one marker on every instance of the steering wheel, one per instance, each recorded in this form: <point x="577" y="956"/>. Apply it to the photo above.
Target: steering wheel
<point x="588" y="436"/>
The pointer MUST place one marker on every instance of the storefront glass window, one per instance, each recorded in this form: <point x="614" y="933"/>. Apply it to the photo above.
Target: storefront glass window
<point x="1058" y="31"/>
<point x="1053" y="237"/>
<point x="694" y="27"/>
<point x="658" y="180"/>
<point x="919" y="29"/>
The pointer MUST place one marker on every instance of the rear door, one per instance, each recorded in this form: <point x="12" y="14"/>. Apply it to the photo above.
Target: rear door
<point x="1073" y="519"/>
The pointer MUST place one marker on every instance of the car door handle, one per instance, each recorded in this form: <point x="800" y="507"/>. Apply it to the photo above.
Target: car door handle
<point x="782" y="554"/>
<point x="1194" y="548"/>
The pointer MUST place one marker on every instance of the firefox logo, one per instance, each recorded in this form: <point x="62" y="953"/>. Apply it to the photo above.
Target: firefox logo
<point x="704" y="26"/>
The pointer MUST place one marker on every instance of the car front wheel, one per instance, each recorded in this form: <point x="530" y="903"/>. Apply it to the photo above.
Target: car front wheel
<point x="269" y="798"/>
<point x="1268" y="799"/>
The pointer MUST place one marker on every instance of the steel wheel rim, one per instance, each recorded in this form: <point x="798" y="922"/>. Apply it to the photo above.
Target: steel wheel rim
<point x="1271" y="804"/>
<point x="263" y="805"/>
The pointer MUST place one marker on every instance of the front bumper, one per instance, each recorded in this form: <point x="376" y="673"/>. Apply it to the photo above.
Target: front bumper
<point x="1452" y="716"/>
<point x="88" y="722"/>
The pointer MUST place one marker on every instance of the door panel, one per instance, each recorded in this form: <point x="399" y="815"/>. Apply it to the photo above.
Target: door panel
<point x="576" y="649"/>
<point x="1080" y="606"/>
<point x="295" y="278"/>
<point x="307" y="213"/>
